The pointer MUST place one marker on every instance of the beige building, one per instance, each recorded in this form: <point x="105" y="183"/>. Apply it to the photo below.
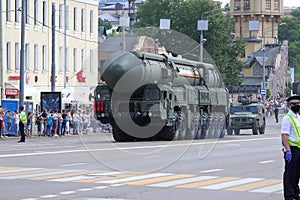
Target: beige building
<point x="267" y="12"/>
<point x="79" y="74"/>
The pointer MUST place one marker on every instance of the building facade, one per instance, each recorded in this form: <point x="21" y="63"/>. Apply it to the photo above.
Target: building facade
<point x="267" y="12"/>
<point x="75" y="61"/>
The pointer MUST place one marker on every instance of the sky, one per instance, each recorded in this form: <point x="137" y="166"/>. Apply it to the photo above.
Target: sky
<point x="289" y="3"/>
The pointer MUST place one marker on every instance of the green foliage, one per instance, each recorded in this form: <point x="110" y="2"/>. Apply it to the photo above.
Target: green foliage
<point x="107" y="25"/>
<point x="268" y="93"/>
<point x="184" y="15"/>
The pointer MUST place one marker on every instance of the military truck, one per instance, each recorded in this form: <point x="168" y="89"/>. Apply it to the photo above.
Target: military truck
<point x="247" y="114"/>
<point x="146" y="96"/>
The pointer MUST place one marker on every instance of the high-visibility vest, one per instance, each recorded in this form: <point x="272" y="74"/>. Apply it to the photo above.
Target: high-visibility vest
<point x="297" y="131"/>
<point x="23" y="117"/>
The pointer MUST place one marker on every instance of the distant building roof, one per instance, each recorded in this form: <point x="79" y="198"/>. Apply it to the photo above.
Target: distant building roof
<point x="113" y="44"/>
<point x="270" y="53"/>
<point x="251" y="81"/>
<point x="109" y="17"/>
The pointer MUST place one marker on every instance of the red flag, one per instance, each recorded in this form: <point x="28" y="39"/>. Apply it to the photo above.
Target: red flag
<point x="79" y="76"/>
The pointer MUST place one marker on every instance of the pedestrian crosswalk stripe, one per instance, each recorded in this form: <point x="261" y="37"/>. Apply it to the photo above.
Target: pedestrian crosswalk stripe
<point x="67" y="174"/>
<point x="134" y="178"/>
<point x="255" y="185"/>
<point x="182" y="181"/>
<point x="269" y="189"/>
<point x="16" y="170"/>
<point x="35" y="174"/>
<point x="231" y="183"/>
<point x="158" y="179"/>
<point x="108" y="178"/>
<point x="207" y="182"/>
<point x="23" y="171"/>
<point x="81" y="177"/>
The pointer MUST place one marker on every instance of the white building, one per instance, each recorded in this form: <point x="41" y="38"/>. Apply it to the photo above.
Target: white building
<point x="80" y="72"/>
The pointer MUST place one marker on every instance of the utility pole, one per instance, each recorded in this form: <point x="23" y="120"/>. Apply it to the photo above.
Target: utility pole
<point x="65" y="45"/>
<point x="22" y="61"/>
<point x="1" y="52"/>
<point x="53" y="50"/>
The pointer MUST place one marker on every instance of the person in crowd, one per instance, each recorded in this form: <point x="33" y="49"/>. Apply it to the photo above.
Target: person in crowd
<point x="60" y="121"/>
<point x="55" y="123"/>
<point x="1" y="120"/>
<point x="16" y="119"/>
<point x="76" y="121"/>
<point x="22" y="123"/>
<point x="85" y="122"/>
<point x="49" y="125"/>
<point x="29" y="124"/>
<point x="8" y="119"/>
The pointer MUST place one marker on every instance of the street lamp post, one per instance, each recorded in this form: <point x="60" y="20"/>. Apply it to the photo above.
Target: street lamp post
<point x="203" y="26"/>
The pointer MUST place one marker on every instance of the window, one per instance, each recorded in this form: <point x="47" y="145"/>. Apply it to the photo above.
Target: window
<point x="36" y="12"/>
<point x="44" y="13"/>
<point x="27" y="12"/>
<point x="276" y="5"/>
<point x="8" y="11"/>
<point x="82" y="20"/>
<point x="237" y="4"/>
<point x="61" y="59"/>
<point x="8" y="56"/>
<point x="26" y="59"/>
<point x="247" y="5"/>
<point x="82" y="58"/>
<point x="268" y="4"/>
<point x="67" y="18"/>
<point x="44" y="57"/>
<point x="17" y="12"/>
<point x="91" y="21"/>
<point x="75" y="59"/>
<point x="17" y="56"/>
<point x="67" y="59"/>
<point x="61" y="16"/>
<point x="91" y="61"/>
<point x="75" y="19"/>
<point x="36" y="56"/>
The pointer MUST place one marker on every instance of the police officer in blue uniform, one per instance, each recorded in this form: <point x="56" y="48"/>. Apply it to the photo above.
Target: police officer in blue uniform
<point x="290" y="136"/>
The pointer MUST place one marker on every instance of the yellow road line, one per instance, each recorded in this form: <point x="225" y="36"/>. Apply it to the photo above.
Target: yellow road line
<point x="65" y="175"/>
<point x="8" y="168"/>
<point x="25" y="172"/>
<point x="158" y="179"/>
<point x="255" y="185"/>
<point x="108" y="178"/>
<point x="207" y="182"/>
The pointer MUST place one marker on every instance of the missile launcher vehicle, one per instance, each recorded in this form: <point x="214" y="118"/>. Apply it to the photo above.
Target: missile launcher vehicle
<point x="147" y="96"/>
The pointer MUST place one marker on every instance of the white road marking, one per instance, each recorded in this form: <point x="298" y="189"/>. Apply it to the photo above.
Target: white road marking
<point x="183" y="181"/>
<point x="49" y="196"/>
<point x="269" y="189"/>
<point x="38" y="174"/>
<point x="211" y="170"/>
<point x="30" y="199"/>
<point x="135" y="178"/>
<point x="85" y="189"/>
<point x="100" y="187"/>
<point x="267" y="161"/>
<point x="74" y="164"/>
<point x="67" y="192"/>
<point x="206" y="142"/>
<point x="87" y="176"/>
<point x="231" y="183"/>
<point x="19" y="170"/>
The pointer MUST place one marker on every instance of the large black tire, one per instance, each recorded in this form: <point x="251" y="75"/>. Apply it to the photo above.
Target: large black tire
<point x="229" y="131"/>
<point x="255" y="128"/>
<point x="204" y="124"/>
<point x="192" y="132"/>
<point x="119" y="135"/>
<point x="168" y="133"/>
<point x="237" y="131"/>
<point x="262" y="128"/>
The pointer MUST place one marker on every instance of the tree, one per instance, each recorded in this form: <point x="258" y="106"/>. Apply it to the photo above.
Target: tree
<point x="107" y="25"/>
<point x="184" y="15"/>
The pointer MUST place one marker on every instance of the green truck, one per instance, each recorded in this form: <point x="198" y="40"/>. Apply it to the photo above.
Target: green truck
<point x="247" y="114"/>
